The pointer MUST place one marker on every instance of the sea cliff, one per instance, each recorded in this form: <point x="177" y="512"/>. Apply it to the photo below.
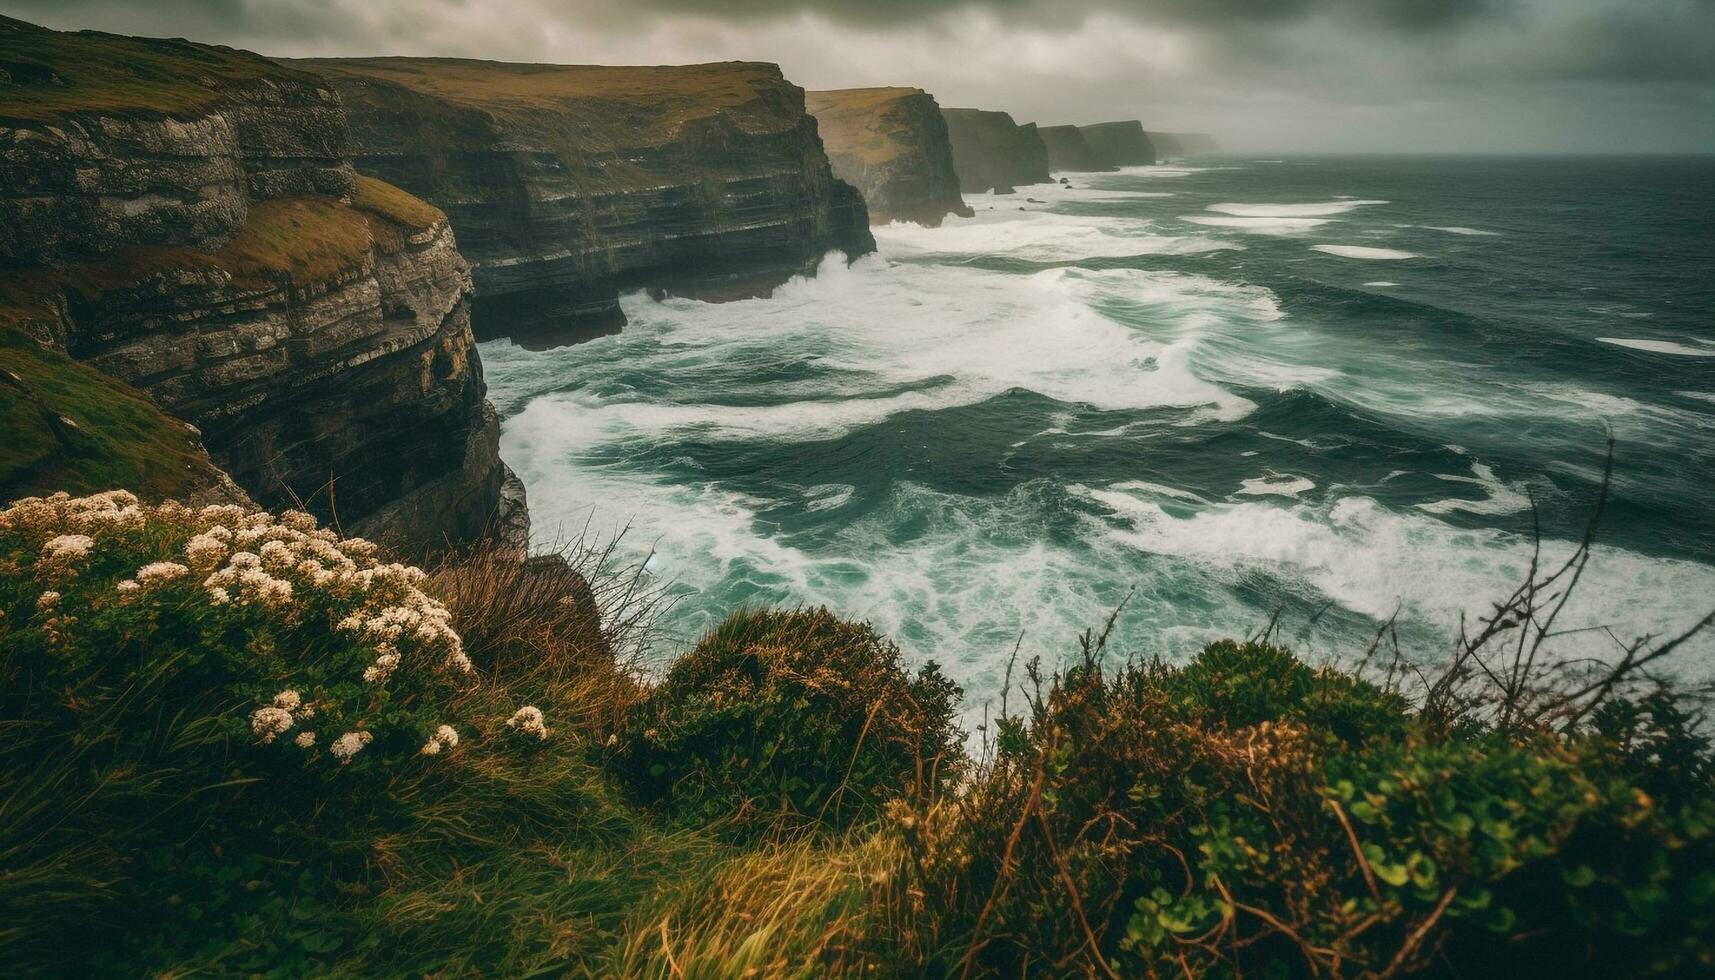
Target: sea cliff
<point x="184" y="218"/>
<point x="892" y="145"/>
<point x="568" y="184"/>
<point x="1120" y="144"/>
<point x="991" y="152"/>
<point x="1068" y="150"/>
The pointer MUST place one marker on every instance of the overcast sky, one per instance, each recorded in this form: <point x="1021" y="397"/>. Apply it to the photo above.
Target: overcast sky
<point x="1286" y="75"/>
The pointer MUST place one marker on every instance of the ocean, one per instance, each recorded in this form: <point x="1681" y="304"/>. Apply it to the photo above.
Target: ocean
<point x="1323" y="389"/>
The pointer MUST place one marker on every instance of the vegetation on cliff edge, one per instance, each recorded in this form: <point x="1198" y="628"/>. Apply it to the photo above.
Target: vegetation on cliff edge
<point x="239" y="743"/>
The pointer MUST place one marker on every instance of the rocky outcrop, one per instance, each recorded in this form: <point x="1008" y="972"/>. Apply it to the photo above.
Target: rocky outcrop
<point x="568" y="184"/>
<point x="991" y="152"/>
<point x="181" y="218"/>
<point x="891" y="144"/>
<point x="1068" y="151"/>
<point x="1181" y="145"/>
<point x="1120" y="144"/>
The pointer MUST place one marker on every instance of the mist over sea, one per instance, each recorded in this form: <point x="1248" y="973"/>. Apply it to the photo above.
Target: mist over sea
<point x="1327" y="387"/>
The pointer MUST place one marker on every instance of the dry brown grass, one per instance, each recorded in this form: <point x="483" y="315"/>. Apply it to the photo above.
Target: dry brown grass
<point x="853" y="122"/>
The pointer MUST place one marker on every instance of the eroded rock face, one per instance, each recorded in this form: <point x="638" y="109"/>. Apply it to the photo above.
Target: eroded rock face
<point x="1068" y="151"/>
<point x="892" y="145"/>
<point x="569" y="184"/>
<point x="991" y="152"/>
<point x="209" y="245"/>
<point x="1119" y="144"/>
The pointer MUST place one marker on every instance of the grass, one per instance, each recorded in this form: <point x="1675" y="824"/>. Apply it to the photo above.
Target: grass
<point x="53" y="74"/>
<point x="389" y="203"/>
<point x="853" y="122"/>
<point x="70" y="427"/>
<point x="624" y="105"/>
<point x="1243" y="813"/>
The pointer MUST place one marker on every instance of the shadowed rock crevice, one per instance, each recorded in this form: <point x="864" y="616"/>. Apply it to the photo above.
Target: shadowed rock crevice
<point x="993" y="153"/>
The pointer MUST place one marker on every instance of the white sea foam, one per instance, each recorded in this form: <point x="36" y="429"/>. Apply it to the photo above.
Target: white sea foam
<point x="1364" y="252"/>
<point x="1275" y="486"/>
<point x="1037" y="236"/>
<point x="1316" y="210"/>
<point x="1366" y="558"/>
<point x="1257" y="225"/>
<point x="1702" y="396"/>
<point x="1461" y="230"/>
<point x="1501" y="497"/>
<point x="1660" y="346"/>
<point x="1381" y="285"/>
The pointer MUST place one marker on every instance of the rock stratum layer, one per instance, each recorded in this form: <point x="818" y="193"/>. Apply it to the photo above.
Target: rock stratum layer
<point x="1069" y="151"/>
<point x="892" y="145"/>
<point x="1120" y="144"/>
<point x="991" y="152"/>
<point x="568" y="184"/>
<point x="184" y="219"/>
<point x="1183" y="144"/>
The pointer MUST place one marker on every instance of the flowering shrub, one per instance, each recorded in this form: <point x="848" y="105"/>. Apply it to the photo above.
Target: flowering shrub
<point x="217" y="682"/>
<point x="320" y="635"/>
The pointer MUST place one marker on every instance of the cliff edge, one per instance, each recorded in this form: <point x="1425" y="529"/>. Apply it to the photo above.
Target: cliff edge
<point x="184" y="219"/>
<point x="1120" y="144"/>
<point x="567" y="184"/>
<point x="1069" y="151"/>
<point x="892" y="145"/>
<point x="991" y="152"/>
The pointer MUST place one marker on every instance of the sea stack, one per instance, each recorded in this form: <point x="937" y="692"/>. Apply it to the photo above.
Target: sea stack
<point x="208" y="244"/>
<point x="892" y="145"/>
<point x="991" y="152"/>
<point x="567" y="184"/>
<point x="1069" y="151"/>
<point x="1120" y="144"/>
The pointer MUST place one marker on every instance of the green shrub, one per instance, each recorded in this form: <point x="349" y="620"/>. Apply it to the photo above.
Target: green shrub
<point x="211" y="718"/>
<point x="795" y="715"/>
<point x="1248" y="815"/>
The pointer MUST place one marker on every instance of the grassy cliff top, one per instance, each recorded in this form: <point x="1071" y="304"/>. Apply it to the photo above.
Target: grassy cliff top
<point x="46" y="74"/>
<point x="652" y="100"/>
<point x="853" y="121"/>
<point x="856" y="99"/>
<point x="70" y="427"/>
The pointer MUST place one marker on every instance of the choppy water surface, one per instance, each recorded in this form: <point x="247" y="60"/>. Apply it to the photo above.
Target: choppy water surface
<point x="1329" y="387"/>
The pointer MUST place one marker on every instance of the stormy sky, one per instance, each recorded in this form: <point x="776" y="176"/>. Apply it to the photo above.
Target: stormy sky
<point x="1285" y="75"/>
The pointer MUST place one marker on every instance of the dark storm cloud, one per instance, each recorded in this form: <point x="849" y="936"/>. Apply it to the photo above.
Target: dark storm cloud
<point x="1283" y="74"/>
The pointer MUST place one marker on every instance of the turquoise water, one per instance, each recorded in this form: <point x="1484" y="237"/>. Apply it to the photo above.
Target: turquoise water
<point x="1328" y="387"/>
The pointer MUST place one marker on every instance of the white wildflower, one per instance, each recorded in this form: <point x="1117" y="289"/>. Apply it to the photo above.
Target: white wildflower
<point x="205" y="550"/>
<point x="47" y="600"/>
<point x="528" y="721"/>
<point x="445" y="737"/>
<point x="382" y="669"/>
<point x="348" y="745"/>
<point x="297" y="520"/>
<point x="128" y="586"/>
<point x="288" y="699"/>
<point x="304" y="740"/>
<point x="269" y="722"/>
<point x="157" y="572"/>
<point x="68" y="546"/>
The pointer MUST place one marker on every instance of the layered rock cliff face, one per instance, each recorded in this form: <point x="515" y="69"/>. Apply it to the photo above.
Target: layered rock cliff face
<point x="1183" y="144"/>
<point x="568" y="184"/>
<point x="991" y="152"/>
<point x="891" y="144"/>
<point x="183" y="218"/>
<point x="1120" y="144"/>
<point x="1068" y="150"/>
